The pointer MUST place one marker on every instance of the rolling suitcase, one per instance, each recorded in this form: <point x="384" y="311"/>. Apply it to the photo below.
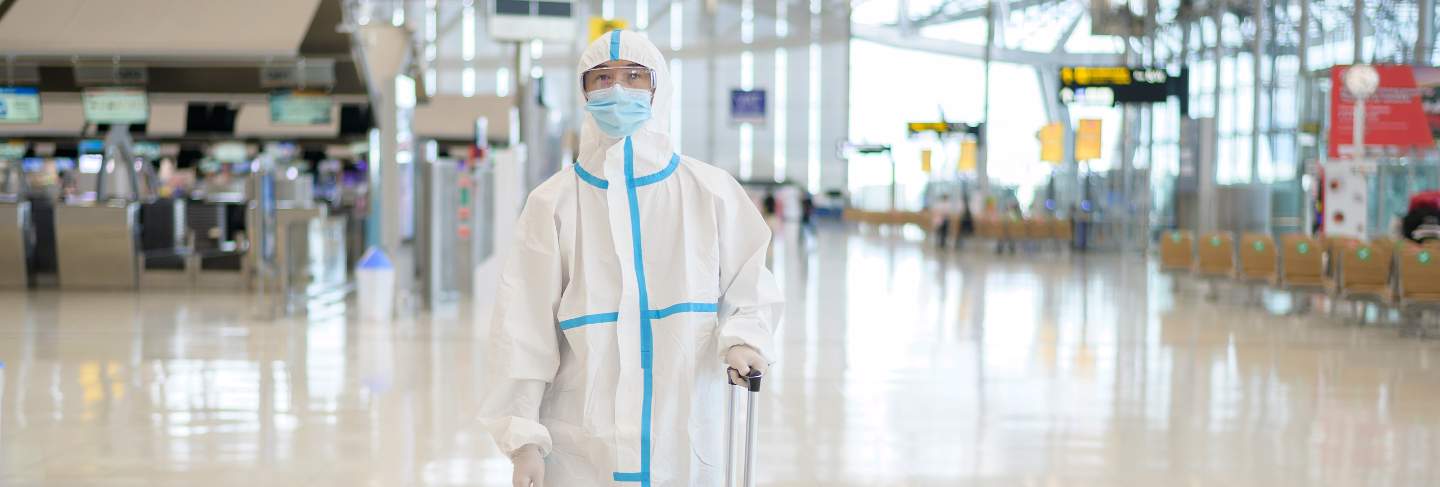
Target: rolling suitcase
<point x="752" y="405"/>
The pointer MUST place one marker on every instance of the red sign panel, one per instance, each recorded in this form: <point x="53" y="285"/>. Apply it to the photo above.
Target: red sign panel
<point x="1394" y="115"/>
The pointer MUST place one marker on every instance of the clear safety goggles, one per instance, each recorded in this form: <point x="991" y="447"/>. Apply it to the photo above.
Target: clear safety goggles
<point x="633" y="77"/>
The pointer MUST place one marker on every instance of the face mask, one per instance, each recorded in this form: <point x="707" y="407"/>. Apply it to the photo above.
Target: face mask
<point x="619" y="111"/>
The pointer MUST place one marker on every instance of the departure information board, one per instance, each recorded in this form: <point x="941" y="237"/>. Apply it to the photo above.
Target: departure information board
<point x="1122" y="84"/>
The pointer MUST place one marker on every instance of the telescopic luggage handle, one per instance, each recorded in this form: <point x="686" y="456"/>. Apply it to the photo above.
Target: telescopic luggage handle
<point x="752" y="406"/>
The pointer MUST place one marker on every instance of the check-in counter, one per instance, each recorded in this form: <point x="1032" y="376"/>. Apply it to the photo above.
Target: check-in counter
<point x="16" y="241"/>
<point x="165" y="255"/>
<point x="96" y="245"/>
<point x="220" y="246"/>
<point x="309" y="252"/>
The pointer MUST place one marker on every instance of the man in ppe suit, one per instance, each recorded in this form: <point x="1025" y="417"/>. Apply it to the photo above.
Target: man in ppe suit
<point x="637" y="278"/>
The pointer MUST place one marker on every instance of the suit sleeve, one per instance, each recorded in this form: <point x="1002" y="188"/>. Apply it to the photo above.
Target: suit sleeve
<point x="750" y="302"/>
<point x="522" y="350"/>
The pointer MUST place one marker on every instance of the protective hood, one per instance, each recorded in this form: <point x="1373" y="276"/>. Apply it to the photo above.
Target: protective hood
<point x="651" y="143"/>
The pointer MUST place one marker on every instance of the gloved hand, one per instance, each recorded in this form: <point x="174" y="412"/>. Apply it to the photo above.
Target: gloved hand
<point x="529" y="467"/>
<point x="743" y="359"/>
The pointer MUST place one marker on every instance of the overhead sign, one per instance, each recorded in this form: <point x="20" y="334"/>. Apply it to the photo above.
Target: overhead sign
<point x="599" y="26"/>
<point x="969" y="155"/>
<point x="943" y="128"/>
<point x="747" y="106"/>
<point x="1052" y="142"/>
<point x="116" y="105"/>
<point x="19" y="105"/>
<point x="1394" y="115"/>
<point x="527" y="20"/>
<point x="1087" y="139"/>
<point x="298" y="107"/>
<point x="1122" y="84"/>
<point x="1427" y="78"/>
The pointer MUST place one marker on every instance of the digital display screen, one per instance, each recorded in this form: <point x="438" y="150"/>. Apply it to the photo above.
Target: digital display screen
<point x="90" y="163"/>
<point x="296" y="107"/>
<point x="1120" y="84"/>
<point x="19" y="105"/>
<point x="116" y="105"/>
<point x="91" y="146"/>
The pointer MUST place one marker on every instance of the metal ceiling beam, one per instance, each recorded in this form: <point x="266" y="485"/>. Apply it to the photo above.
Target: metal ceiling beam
<point x="941" y="16"/>
<point x="1069" y="31"/>
<point x="891" y="36"/>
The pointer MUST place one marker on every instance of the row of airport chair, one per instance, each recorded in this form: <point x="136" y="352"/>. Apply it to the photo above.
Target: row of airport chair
<point x="995" y="229"/>
<point x="1384" y="271"/>
<point x="1032" y="229"/>
<point x="920" y="218"/>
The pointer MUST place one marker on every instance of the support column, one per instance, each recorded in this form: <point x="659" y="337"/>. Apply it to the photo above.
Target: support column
<point x="1257" y="53"/>
<point x="1358" y="22"/>
<point x="982" y="163"/>
<point x="1425" y="33"/>
<point x="1206" y="169"/>
<point x="382" y="52"/>
<point x="713" y="108"/>
<point x="1304" y="61"/>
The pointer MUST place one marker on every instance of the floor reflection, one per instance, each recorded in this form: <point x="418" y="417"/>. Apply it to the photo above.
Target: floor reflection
<point x="898" y="365"/>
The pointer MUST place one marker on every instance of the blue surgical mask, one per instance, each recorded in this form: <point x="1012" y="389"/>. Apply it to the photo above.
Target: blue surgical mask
<point x="619" y="111"/>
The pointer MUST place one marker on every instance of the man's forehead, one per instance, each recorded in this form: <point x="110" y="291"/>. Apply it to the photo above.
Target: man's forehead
<point x="618" y="63"/>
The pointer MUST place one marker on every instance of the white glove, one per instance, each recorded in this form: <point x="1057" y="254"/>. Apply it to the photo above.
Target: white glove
<point x="529" y="467"/>
<point x="743" y="359"/>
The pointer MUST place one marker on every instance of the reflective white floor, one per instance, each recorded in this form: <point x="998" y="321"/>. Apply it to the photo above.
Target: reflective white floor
<point x="900" y="367"/>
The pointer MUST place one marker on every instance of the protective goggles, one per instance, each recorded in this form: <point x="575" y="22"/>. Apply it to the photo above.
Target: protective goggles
<point x="633" y="77"/>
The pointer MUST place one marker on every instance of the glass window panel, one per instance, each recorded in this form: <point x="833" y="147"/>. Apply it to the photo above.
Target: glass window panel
<point x="1242" y="157"/>
<point x="1287" y="108"/>
<point x="1226" y="117"/>
<point x="1268" y="165"/>
<point x="1244" y="109"/>
<point x="1285" y="158"/>
<point x="1227" y="74"/>
<point x="1244" y="69"/>
<point x="1225" y="165"/>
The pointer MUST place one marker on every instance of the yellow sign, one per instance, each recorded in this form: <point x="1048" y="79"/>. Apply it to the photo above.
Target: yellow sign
<point x="917" y="127"/>
<point x="1087" y="140"/>
<point x="925" y="161"/>
<point x="1052" y="142"/>
<point x="1096" y="75"/>
<point x="968" y="154"/>
<point x="599" y="26"/>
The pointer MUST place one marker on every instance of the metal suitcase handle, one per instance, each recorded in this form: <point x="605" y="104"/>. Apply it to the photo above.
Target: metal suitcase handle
<point x="752" y="407"/>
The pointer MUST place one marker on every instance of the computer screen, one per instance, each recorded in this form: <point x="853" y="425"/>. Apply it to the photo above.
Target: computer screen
<point x="90" y="163"/>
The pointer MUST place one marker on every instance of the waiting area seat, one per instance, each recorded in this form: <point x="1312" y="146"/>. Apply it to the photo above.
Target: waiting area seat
<point x="1302" y="263"/>
<point x="1177" y="251"/>
<point x="1215" y="256"/>
<point x="1417" y="275"/>
<point x="1364" y="271"/>
<point x="1259" y="262"/>
<point x="1384" y="271"/>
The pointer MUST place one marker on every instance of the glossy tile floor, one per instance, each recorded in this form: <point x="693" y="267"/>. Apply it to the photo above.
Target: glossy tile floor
<point x="900" y="366"/>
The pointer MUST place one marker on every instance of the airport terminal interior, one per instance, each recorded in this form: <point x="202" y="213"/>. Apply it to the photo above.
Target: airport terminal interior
<point x="1017" y="242"/>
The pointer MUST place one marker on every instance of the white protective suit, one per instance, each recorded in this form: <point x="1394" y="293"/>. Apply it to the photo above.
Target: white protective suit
<point x="633" y="271"/>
